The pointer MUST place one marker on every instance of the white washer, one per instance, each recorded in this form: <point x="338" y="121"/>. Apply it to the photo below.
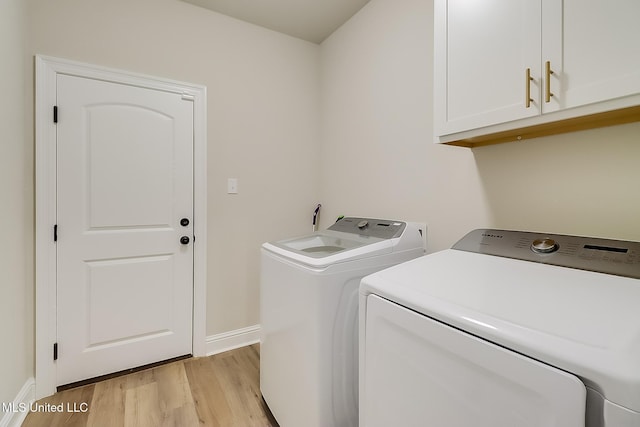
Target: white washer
<point x="505" y="329"/>
<point x="309" y="305"/>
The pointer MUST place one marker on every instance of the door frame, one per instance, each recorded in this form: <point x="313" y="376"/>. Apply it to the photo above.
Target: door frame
<point x="47" y="68"/>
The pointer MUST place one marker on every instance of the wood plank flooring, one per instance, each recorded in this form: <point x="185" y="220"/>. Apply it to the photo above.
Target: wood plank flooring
<point x="219" y="391"/>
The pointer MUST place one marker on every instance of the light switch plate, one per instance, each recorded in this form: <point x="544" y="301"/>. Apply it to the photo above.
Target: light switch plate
<point x="232" y="186"/>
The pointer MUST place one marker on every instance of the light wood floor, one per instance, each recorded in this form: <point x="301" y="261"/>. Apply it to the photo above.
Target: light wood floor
<point x="221" y="390"/>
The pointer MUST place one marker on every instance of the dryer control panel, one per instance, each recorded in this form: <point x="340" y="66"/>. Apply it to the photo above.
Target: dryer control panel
<point x="617" y="257"/>
<point x="379" y="228"/>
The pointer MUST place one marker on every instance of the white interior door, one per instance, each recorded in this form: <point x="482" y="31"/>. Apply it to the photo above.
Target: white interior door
<point x="124" y="184"/>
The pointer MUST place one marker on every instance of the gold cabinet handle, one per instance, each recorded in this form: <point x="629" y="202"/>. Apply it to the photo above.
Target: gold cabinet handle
<point x="528" y="78"/>
<point x="548" y="72"/>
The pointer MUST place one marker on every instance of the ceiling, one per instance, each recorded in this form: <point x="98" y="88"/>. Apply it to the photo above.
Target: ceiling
<point x="312" y="20"/>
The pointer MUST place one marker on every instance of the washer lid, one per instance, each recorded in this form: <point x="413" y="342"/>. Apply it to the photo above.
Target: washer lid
<point x="329" y="247"/>
<point x="583" y="322"/>
<point x="349" y="239"/>
<point x="321" y="245"/>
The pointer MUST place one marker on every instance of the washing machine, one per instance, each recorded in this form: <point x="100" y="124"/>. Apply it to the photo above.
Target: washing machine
<point x="308" y="309"/>
<point x="505" y="329"/>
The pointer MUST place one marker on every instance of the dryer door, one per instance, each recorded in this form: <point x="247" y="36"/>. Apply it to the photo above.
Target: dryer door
<point x="420" y="372"/>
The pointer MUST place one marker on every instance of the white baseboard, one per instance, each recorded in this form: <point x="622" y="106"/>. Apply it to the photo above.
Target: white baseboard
<point x="233" y="339"/>
<point x="16" y="411"/>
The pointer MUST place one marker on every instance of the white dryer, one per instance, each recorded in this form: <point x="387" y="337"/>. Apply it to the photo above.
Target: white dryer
<point x="505" y="329"/>
<point x="308" y="309"/>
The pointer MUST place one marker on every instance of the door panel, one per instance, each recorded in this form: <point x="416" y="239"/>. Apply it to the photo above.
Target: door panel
<point x="114" y="199"/>
<point x="417" y="369"/>
<point x="125" y="179"/>
<point x="123" y="283"/>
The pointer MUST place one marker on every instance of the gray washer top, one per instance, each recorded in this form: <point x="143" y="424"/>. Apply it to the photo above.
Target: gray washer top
<point x="370" y="227"/>
<point x="617" y="257"/>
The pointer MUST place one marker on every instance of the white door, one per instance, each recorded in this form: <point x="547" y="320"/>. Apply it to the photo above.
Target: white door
<point x="124" y="186"/>
<point x="418" y="372"/>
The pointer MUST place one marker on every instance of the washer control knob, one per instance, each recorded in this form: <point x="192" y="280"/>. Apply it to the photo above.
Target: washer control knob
<point x="363" y="224"/>
<point x="544" y="246"/>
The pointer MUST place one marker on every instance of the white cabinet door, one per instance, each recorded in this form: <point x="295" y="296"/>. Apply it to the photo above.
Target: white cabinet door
<point x="125" y="181"/>
<point x="418" y="372"/>
<point x="583" y="57"/>
<point x="482" y="53"/>
<point x="594" y="50"/>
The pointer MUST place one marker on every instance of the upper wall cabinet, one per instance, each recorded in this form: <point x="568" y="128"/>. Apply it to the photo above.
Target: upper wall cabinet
<point x="513" y="69"/>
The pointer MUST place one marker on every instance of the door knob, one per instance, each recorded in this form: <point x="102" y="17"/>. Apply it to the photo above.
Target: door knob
<point x="184" y="222"/>
<point x="184" y="240"/>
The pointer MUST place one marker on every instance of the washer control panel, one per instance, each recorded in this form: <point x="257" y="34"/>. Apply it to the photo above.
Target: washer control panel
<point x="618" y="257"/>
<point x="380" y="228"/>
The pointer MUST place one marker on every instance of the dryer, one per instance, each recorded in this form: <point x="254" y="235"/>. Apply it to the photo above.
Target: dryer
<point x="308" y="309"/>
<point x="505" y="329"/>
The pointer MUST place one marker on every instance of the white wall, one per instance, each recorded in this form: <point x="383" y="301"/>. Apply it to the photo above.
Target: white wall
<point x="262" y="119"/>
<point x="16" y="208"/>
<point x="584" y="183"/>
<point x="378" y="158"/>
